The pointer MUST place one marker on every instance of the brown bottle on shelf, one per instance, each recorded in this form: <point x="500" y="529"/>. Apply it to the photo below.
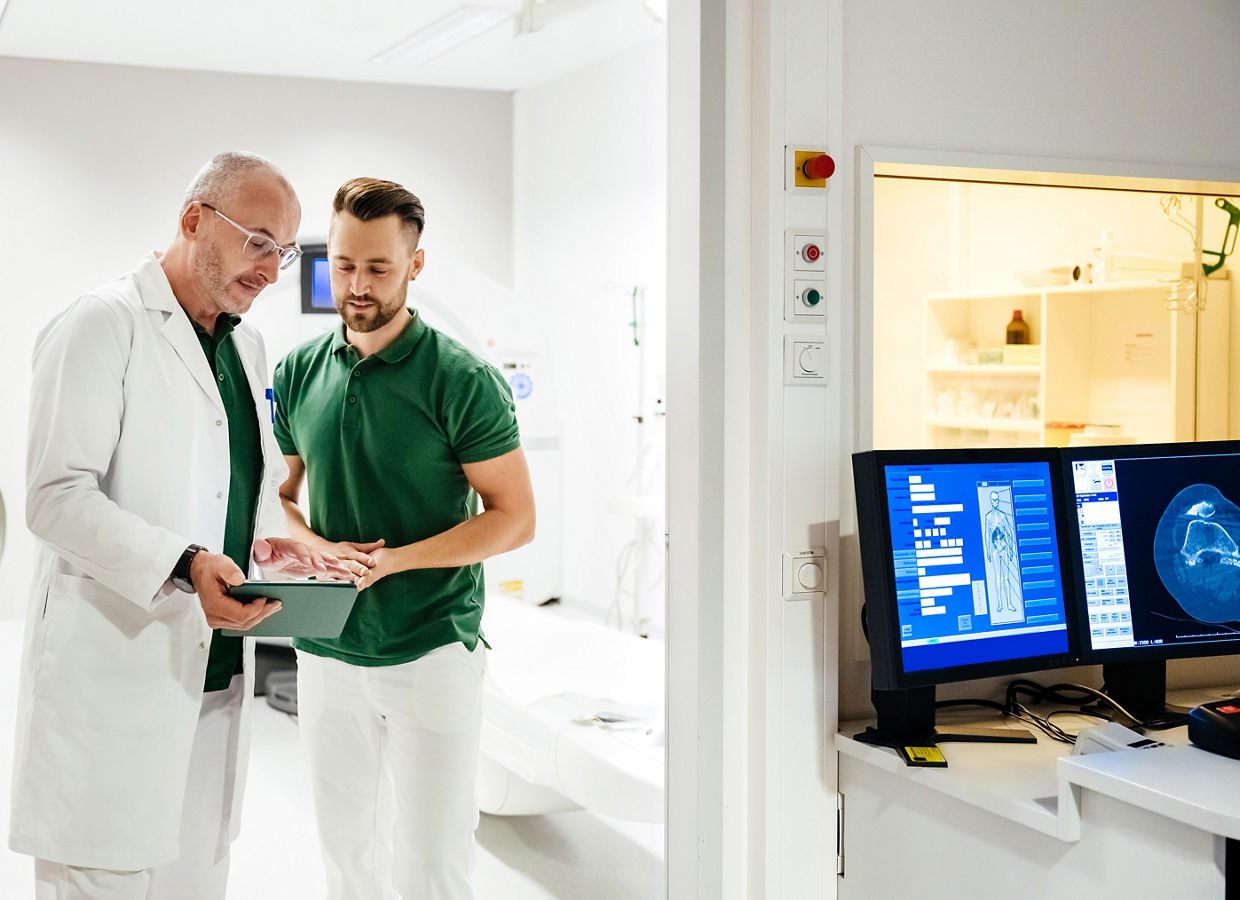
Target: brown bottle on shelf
<point x="1017" y="329"/>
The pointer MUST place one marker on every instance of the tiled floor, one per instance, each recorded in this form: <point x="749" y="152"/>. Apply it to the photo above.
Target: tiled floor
<point x="576" y="855"/>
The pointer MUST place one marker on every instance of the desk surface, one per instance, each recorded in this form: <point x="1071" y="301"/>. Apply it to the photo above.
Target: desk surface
<point x="1038" y="785"/>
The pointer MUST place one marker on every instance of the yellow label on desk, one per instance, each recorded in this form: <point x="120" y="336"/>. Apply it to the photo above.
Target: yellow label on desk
<point x="923" y="756"/>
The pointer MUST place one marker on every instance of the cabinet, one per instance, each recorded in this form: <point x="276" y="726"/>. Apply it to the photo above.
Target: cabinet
<point x="1110" y="354"/>
<point x="1030" y="821"/>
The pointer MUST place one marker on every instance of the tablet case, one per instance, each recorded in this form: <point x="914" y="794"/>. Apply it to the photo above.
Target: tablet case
<point x="312" y="609"/>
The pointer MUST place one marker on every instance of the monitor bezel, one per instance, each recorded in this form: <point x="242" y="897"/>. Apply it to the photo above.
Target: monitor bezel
<point x="878" y="575"/>
<point x="310" y="253"/>
<point x="1157" y="653"/>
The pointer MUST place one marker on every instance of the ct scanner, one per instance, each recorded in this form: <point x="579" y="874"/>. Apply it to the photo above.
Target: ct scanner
<point x="574" y="709"/>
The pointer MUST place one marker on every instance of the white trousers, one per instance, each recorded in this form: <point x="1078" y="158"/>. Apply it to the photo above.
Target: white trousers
<point x="201" y="871"/>
<point x="393" y="754"/>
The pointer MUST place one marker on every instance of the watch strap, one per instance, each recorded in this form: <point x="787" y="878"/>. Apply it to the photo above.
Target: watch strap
<point x="180" y="572"/>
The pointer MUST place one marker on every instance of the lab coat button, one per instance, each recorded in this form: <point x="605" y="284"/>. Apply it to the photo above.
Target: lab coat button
<point x="202" y="645"/>
<point x="219" y="422"/>
<point x="219" y="495"/>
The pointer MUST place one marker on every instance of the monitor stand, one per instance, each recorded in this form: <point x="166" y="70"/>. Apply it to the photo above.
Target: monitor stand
<point x="1139" y="687"/>
<point x="906" y="718"/>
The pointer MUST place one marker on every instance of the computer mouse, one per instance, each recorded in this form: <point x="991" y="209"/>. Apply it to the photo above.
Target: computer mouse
<point x="1216" y="727"/>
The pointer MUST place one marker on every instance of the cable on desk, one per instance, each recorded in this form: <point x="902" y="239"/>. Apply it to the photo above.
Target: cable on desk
<point x="1061" y="693"/>
<point x="1015" y="711"/>
<point x="1075" y="696"/>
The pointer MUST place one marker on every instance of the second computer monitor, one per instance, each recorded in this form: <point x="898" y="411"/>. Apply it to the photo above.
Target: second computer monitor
<point x="1157" y="549"/>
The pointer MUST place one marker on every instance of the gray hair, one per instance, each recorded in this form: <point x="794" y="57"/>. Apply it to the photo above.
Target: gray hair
<point x="220" y="178"/>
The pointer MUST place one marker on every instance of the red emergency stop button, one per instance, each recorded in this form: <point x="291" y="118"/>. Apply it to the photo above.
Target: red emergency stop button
<point x="811" y="252"/>
<point x="821" y="166"/>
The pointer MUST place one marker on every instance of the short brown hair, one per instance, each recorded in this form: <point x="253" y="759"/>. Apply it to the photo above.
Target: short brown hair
<point x="373" y="198"/>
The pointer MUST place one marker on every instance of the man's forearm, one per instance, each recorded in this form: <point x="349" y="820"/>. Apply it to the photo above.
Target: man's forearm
<point x="494" y="531"/>
<point x="298" y="528"/>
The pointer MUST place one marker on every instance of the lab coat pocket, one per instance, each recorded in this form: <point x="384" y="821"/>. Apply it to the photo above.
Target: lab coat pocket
<point x="107" y="664"/>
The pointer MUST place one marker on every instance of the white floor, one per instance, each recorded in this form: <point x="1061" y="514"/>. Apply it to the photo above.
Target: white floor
<point x="576" y="855"/>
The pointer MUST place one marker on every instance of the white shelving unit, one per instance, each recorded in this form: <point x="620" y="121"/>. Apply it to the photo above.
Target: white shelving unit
<point x="1110" y="354"/>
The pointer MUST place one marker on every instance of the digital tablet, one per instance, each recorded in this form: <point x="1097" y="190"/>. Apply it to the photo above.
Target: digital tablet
<point x="312" y="609"/>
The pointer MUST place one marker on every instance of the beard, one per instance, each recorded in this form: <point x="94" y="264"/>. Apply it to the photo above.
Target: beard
<point x="382" y="312"/>
<point x="215" y="280"/>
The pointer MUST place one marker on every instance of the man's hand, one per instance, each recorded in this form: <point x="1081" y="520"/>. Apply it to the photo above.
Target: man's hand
<point x="361" y="552"/>
<point x="385" y="562"/>
<point x="295" y="558"/>
<point x="214" y="573"/>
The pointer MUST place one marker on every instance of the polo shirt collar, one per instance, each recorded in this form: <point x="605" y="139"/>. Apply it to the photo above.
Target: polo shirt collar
<point x="395" y="351"/>
<point x="225" y="324"/>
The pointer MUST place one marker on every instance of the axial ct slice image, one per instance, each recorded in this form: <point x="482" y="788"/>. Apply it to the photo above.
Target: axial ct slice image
<point x="1197" y="553"/>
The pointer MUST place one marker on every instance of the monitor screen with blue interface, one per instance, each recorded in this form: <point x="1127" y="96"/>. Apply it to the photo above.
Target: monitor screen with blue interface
<point x="316" y="289"/>
<point x="971" y="581"/>
<point x="1157" y="549"/>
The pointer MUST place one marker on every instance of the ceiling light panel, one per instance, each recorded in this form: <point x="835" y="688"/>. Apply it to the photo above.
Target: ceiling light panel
<point x="444" y="34"/>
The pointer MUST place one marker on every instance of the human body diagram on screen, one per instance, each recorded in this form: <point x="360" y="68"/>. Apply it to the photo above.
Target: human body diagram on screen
<point x="998" y="521"/>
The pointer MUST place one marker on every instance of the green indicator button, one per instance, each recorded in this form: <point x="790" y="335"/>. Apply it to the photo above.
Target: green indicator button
<point x="811" y="297"/>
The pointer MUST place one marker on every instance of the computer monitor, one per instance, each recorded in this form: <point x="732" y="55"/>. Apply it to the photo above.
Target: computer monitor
<point x="316" y="289"/>
<point x="1155" y="560"/>
<point x="961" y="558"/>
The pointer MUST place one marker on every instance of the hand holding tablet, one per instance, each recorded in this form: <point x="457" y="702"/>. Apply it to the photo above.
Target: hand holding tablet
<point x="315" y="609"/>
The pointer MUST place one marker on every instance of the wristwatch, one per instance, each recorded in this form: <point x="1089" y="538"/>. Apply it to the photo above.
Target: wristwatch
<point x="180" y="572"/>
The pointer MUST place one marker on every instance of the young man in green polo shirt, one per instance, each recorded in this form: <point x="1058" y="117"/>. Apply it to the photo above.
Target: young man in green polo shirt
<point x="400" y="430"/>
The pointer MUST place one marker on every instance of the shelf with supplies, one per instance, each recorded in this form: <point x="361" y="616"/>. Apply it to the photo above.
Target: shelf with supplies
<point x="1112" y="355"/>
<point x="978" y="423"/>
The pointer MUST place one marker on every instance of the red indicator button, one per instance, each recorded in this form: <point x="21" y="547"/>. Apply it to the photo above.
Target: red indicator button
<point x="818" y="167"/>
<point x="1229" y="710"/>
<point x="811" y="252"/>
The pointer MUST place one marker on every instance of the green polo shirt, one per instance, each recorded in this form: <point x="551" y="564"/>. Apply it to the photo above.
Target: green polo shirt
<point x="245" y="451"/>
<point x="383" y="440"/>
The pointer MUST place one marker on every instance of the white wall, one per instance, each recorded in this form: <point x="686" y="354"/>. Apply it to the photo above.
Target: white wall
<point x="589" y="226"/>
<point x="1134" y="82"/>
<point x="94" y="161"/>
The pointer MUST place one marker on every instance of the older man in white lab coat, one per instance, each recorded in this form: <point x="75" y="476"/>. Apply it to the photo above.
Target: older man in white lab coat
<point x="151" y="469"/>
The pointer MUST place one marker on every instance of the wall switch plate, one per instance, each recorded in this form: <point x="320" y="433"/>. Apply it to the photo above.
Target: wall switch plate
<point x="795" y="179"/>
<point x="806" y="250"/>
<point x="807" y="301"/>
<point x="804" y="275"/>
<point x="805" y="574"/>
<point x="805" y="360"/>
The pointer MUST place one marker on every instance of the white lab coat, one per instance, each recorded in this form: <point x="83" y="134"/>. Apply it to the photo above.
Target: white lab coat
<point x="128" y="463"/>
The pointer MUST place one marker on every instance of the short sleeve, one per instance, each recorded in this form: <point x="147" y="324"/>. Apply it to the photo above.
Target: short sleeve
<point x="481" y="417"/>
<point x="279" y="387"/>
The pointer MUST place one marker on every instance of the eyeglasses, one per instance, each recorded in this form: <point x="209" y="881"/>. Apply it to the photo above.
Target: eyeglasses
<point x="259" y="246"/>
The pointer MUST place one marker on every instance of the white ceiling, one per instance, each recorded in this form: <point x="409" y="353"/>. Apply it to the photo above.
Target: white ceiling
<point x="332" y="39"/>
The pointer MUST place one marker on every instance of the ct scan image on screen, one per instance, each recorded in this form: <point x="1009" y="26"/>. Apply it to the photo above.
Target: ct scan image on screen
<point x="978" y="575"/>
<point x="1160" y="548"/>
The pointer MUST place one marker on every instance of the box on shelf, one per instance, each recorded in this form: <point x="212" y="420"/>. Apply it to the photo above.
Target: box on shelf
<point x="990" y="356"/>
<point x="1022" y="354"/>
